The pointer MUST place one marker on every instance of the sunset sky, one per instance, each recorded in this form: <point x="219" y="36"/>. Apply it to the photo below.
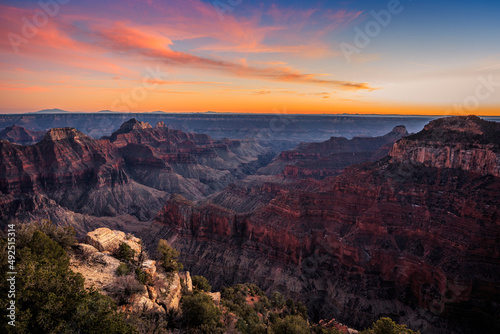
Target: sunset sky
<point x="428" y="57"/>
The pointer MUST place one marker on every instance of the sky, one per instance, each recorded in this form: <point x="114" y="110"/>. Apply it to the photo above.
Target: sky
<point x="333" y="57"/>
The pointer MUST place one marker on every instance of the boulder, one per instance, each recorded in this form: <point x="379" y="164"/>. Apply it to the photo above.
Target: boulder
<point x="108" y="240"/>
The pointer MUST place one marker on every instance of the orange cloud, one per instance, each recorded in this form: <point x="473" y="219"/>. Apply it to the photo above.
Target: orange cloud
<point x="157" y="47"/>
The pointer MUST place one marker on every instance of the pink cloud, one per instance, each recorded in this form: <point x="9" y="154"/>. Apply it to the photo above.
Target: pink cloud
<point x="136" y="43"/>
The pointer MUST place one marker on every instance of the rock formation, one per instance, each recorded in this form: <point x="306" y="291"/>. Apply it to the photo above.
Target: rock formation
<point x="413" y="236"/>
<point x="106" y="240"/>
<point x="71" y="170"/>
<point x="19" y="135"/>
<point x="329" y="158"/>
<point x="466" y="143"/>
<point x="99" y="267"/>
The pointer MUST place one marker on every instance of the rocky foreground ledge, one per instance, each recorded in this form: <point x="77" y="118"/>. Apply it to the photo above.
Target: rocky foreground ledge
<point x="97" y="261"/>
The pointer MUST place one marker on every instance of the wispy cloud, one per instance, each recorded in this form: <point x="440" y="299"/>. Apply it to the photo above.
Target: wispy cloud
<point x="136" y="41"/>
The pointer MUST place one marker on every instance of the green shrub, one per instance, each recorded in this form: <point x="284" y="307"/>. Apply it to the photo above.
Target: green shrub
<point x="317" y="329"/>
<point x="291" y="324"/>
<point x="64" y="236"/>
<point x="122" y="270"/>
<point x="200" y="313"/>
<point x="277" y="300"/>
<point x="124" y="287"/>
<point x="255" y="290"/>
<point x="125" y="252"/>
<point x="201" y="283"/>
<point x="168" y="257"/>
<point x="388" y="326"/>
<point x="143" y="277"/>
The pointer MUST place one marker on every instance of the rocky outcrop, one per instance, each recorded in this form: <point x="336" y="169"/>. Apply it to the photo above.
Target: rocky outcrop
<point x="466" y="143"/>
<point x="106" y="240"/>
<point x="190" y="164"/>
<point x="215" y="297"/>
<point x="329" y="158"/>
<point x="99" y="268"/>
<point x="19" y="135"/>
<point x="170" y="296"/>
<point x="398" y="237"/>
<point x="186" y="280"/>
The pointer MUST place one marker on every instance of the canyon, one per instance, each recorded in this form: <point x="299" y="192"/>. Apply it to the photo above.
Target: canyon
<point x="413" y="236"/>
<point x="119" y="181"/>
<point x="400" y="225"/>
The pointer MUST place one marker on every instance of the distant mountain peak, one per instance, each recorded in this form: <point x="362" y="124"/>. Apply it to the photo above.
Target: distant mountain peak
<point x="160" y="125"/>
<point x="52" y="111"/>
<point x="13" y="127"/>
<point x="470" y="124"/>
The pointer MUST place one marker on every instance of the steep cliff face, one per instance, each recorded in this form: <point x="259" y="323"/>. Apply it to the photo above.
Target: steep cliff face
<point x="466" y="143"/>
<point x="418" y="242"/>
<point x="329" y="158"/>
<point x="19" y="135"/>
<point x="74" y="171"/>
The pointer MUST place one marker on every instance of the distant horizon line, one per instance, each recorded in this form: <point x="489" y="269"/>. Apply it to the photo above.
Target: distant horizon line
<point x="160" y="112"/>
